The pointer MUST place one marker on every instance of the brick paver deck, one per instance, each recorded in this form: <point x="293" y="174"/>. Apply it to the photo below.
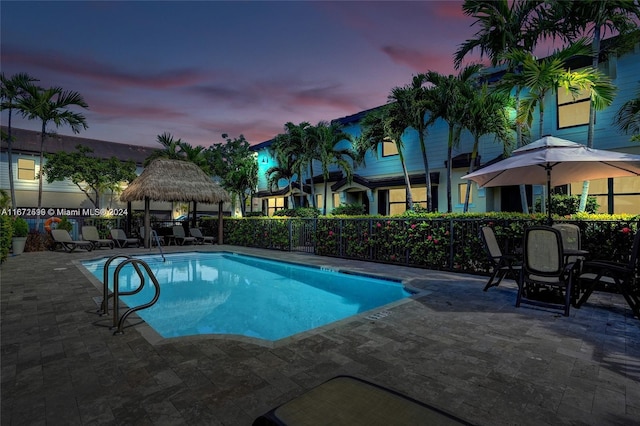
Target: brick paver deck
<point x="461" y="349"/>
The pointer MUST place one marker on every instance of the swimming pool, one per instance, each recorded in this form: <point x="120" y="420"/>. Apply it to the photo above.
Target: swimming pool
<point x="228" y="293"/>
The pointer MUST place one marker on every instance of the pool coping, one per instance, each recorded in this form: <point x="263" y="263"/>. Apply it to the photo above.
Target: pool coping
<point x="154" y="338"/>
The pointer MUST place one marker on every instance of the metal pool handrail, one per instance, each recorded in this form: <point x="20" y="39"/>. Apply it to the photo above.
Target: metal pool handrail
<point x="119" y="323"/>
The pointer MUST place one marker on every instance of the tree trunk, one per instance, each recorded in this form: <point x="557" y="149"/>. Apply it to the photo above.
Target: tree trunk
<point x="40" y="175"/>
<point x="592" y="118"/>
<point x="427" y="173"/>
<point x="12" y="188"/>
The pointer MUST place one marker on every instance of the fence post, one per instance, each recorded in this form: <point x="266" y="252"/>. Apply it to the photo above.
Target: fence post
<point x="290" y="228"/>
<point x="451" y="248"/>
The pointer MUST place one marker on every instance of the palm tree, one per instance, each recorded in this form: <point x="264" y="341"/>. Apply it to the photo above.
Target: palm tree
<point x="411" y="105"/>
<point x="379" y="126"/>
<point x="628" y="118"/>
<point x="572" y="20"/>
<point x="448" y="97"/>
<point x="504" y="26"/>
<point x="293" y="145"/>
<point x="171" y="150"/>
<point x="326" y="137"/>
<point x="51" y="106"/>
<point x="549" y="75"/>
<point x="487" y="114"/>
<point x="285" y="168"/>
<point x="11" y="90"/>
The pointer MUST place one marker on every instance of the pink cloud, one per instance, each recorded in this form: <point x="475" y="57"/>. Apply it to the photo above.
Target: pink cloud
<point x="97" y="71"/>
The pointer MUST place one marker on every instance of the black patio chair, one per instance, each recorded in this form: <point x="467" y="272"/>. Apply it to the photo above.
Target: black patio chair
<point x="625" y="277"/>
<point x="503" y="264"/>
<point x="546" y="278"/>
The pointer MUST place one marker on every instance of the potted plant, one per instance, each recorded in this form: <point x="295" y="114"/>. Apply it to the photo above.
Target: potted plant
<point x="20" y="232"/>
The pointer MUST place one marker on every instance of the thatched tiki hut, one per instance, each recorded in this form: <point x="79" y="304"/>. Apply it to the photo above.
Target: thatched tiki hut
<point x="174" y="180"/>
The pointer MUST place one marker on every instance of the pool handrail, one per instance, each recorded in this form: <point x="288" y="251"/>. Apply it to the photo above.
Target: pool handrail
<point x="118" y="323"/>
<point x="104" y="306"/>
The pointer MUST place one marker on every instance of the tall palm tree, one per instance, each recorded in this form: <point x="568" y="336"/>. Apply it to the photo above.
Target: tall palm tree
<point x="628" y="118"/>
<point x="51" y="106"/>
<point x="411" y="106"/>
<point x="504" y="26"/>
<point x="293" y="145"/>
<point x="574" y="19"/>
<point x="285" y="168"/>
<point x="326" y="137"/>
<point x="12" y="89"/>
<point x="487" y="114"/>
<point x="549" y="74"/>
<point x="448" y="97"/>
<point x="379" y="126"/>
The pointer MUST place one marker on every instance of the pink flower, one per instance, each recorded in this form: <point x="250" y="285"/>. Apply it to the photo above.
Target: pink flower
<point x="625" y="230"/>
<point x="379" y="225"/>
<point x="435" y="241"/>
<point x="413" y="226"/>
<point x="429" y="237"/>
<point x="330" y="233"/>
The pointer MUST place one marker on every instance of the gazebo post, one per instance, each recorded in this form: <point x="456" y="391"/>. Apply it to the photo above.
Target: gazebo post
<point x="147" y="224"/>
<point x="220" y="228"/>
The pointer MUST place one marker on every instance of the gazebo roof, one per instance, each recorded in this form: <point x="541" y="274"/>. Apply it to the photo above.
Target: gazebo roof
<point x="174" y="180"/>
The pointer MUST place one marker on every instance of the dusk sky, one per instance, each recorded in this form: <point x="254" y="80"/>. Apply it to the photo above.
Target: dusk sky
<point x="200" y="69"/>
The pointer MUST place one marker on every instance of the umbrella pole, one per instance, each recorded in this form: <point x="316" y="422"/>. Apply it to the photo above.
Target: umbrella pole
<point x="549" y="220"/>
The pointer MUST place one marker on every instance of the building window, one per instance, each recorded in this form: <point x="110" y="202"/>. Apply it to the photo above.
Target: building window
<point x="389" y="148"/>
<point x="573" y="110"/>
<point x="26" y="169"/>
<point x="462" y="193"/>
<point x="336" y="200"/>
<point x="398" y="199"/>
<point x="275" y="204"/>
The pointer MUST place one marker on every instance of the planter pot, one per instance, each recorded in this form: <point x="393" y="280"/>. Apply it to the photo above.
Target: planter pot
<point x="18" y="244"/>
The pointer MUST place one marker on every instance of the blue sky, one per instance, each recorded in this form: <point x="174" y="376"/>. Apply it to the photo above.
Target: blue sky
<point x="200" y="69"/>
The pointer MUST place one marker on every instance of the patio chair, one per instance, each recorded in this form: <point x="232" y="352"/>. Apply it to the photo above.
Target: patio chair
<point x="625" y="277"/>
<point x="201" y="239"/>
<point x="570" y="239"/>
<point x="90" y="233"/>
<point x="503" y="264"/>
<point x="347" y="400"/>
<point x="179" y="235"/>
<point x="63" y="238"/>
<point x="546" y="279"/>
<point x="155" y="239"/>
<point x="121" y="239"/>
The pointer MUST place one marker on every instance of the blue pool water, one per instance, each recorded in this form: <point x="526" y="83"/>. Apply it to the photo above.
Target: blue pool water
<point x="226" y="293"/>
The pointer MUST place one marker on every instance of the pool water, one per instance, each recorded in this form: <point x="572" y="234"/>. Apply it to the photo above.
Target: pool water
<point x="227" y="293"/>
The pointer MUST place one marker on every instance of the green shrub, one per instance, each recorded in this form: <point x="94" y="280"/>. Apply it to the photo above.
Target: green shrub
<point x="355" y="209"/>
<point x="6" y="233"/>
<point x="566" y="205"/>
<point x="65" y="224"/>
<point x="298" y="212"/>
<point x="20" y="227"/>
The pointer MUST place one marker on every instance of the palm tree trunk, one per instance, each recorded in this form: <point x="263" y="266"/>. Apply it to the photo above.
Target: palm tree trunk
<point x="427" y="173"/>
<point x="449" y="172"/>
<point x="592" y="117"/>
<point x="324" y="198"/>
<point x="40" y="174"/>
<point x="472" y="167"/>
<point x="12" y="188"/>
<point x="406" y="180"/>
<point x="314" y="203"/>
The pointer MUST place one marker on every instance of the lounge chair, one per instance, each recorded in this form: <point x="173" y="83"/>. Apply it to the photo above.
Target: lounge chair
<point x="63" y="238"/>
<point x="121" y="239"/>
<point x="179" y="235"/>
<point x="201" y="239"/>
<point x="546" y="278"/>
<point x="346" y="400"/>
<point x="90" y="233"/>
<point x="624" y="277"/>
<point x="503" y="264"/>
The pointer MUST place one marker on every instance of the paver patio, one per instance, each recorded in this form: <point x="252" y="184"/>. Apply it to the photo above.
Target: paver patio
<point x="458" y="348"/>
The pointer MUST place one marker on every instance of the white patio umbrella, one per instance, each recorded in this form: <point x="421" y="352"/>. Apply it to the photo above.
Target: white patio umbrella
<point x="555" y="161"/>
